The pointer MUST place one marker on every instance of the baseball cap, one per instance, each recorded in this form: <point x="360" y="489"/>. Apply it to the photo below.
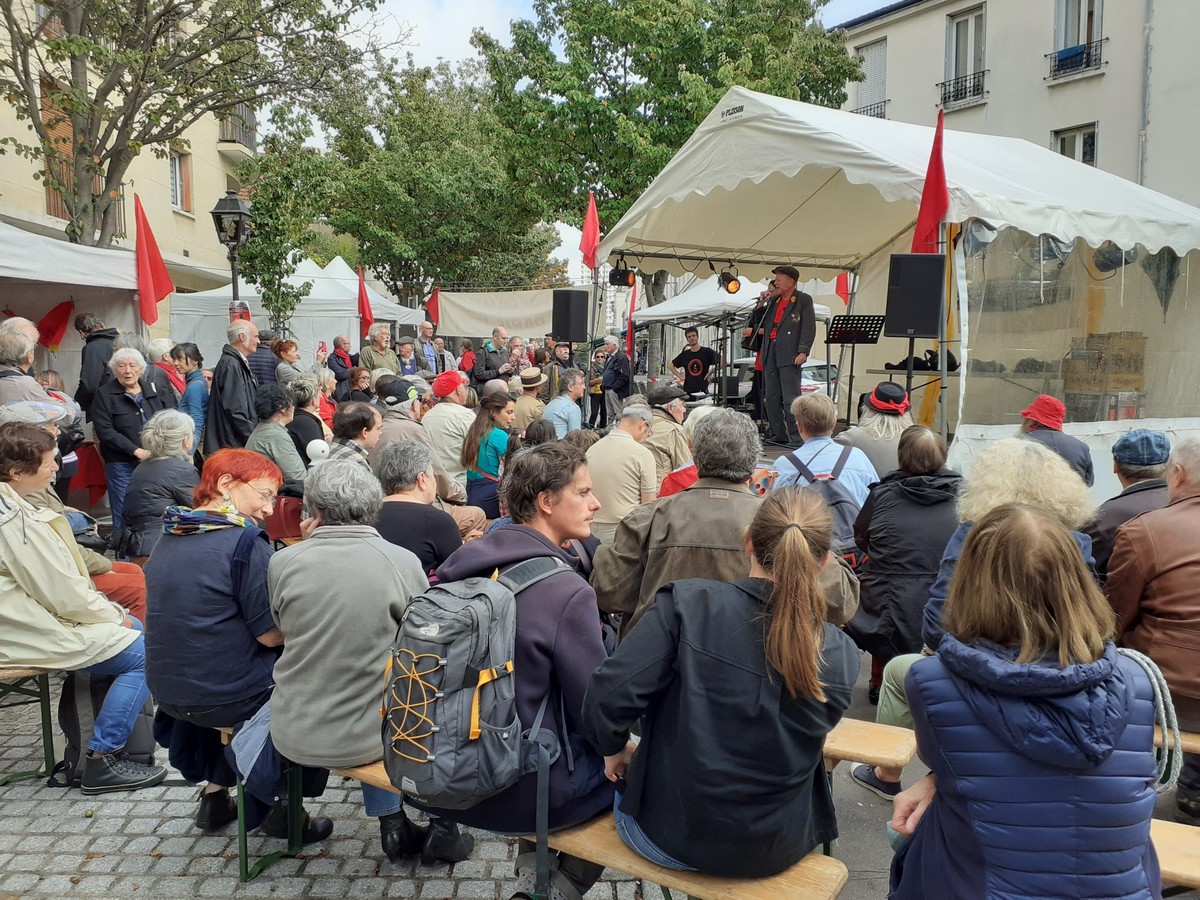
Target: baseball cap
<point x="446" y="384"/>
<point x="403" y="389"/>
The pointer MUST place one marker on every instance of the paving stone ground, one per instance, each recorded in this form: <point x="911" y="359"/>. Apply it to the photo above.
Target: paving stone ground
<point x="57" y="843"/>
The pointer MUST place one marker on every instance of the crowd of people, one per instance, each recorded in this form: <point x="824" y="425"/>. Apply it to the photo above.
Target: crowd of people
<point x="699" y="640"/>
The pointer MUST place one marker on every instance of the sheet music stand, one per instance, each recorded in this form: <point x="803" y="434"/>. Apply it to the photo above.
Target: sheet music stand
<point x="852" y="330"/>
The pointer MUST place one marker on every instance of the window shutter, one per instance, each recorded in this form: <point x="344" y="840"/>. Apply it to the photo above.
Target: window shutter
<point x="949" y="48"/>
<point x="873" y="87"/>
<point x="185" y="176"/>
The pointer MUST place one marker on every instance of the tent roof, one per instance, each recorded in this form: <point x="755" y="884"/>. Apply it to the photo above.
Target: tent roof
<point x="765" y="181"/>
<point x="704" y="303"/>
<point x="33" y="265"/>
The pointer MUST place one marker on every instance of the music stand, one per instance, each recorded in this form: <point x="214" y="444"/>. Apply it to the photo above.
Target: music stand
<point x="852" y="330"/>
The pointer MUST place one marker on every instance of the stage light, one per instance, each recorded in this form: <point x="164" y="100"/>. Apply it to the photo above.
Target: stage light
<point x="621" y="275"/>
<point x="728" y="280"/>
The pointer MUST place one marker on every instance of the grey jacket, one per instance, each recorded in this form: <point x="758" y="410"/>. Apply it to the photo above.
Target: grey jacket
<point x="275" y="442"/>
<point x="796" y="332"/>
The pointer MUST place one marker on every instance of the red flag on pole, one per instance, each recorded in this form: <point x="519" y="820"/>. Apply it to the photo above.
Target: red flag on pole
<point x="154" y="281"/>
<point x="366" y="317"/>
<point x="591" y="233"/>
<point x="431" y="306"/>
<point x="842" y="287"/>
<point x="935" y="199"/>
<point x="629" y="327"/>
<point x="53" y="325"/>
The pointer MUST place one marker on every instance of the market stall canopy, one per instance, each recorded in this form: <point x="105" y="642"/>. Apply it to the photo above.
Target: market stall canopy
<point x="33" y="266"/>
<point x="705" y="303"/>
<point x="765" y="181"/>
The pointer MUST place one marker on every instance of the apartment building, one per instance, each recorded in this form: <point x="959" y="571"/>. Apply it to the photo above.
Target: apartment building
<point x="1111" y="83"/>
<point x="177" y="190"/>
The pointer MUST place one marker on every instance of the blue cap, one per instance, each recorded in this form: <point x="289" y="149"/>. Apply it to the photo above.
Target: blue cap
<point x="1142" y="447"/>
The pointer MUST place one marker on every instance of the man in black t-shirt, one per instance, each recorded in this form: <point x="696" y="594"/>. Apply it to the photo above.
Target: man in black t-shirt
<point x="697" y="363"/>
<point x="408" y="518"/>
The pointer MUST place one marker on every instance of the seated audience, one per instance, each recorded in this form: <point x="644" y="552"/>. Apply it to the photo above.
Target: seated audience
<point x="360" y="385"/>
<point x="53" y="618"/>
<point x="685" y="476"/>
<point x="539" y="432"/>
<point x="815" y="419"/>
<point x="356" y="430"/>
<point x="485" y="448"/>
<point x="623" y="468"/>
<point x="447" y="423"/>
<point x="883" y="418"/>
<point x="903" y="528"/>
<point x="558" y="646"/>
<point x="785" y="678"/>
<point x="1139" y="462"/>
<point x="1038" y="733"/>
<point x="326" y="404"/>
<point x="306" y="425"/>
<point x="270" y="437"/>
<point x="325" y="706"/>
<point x="408" y="517"/>
<point x="212" y="643"/>
<point x="166" y="478"/>
<point x="288" y="354"/>
<point x="666" y="440"/>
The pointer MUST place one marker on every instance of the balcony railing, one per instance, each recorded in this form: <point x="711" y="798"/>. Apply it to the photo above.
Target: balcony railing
<point x="962" y="89"/>
<point x="1079" y="58"/>
<point x="61" y="171"/>
<point x="878" y="110"/>
<point x="240" y="125"/>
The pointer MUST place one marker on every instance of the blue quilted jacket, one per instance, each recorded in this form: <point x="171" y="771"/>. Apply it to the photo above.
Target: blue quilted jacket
<point x="1045" y="778"/>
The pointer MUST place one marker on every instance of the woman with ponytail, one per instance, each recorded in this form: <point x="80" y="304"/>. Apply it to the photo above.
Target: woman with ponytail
<point x="736" y="686"/>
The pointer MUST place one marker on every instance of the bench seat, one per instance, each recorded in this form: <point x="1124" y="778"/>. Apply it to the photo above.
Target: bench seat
<point x="1178" y="848"/>
<point x="888" y="746"/>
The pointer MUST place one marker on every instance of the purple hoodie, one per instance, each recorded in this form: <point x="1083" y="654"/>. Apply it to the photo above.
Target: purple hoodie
<point x="558" y="647"/>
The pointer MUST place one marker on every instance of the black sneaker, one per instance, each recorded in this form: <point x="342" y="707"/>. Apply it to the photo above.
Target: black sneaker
<point x="217" y="809"/>
<point x="866" y="777"/>
<point x="117" y="772"/>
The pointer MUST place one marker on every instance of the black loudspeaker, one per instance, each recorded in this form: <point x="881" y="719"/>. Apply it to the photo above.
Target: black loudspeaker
<point x="914" y="298"/>
<point x="569" y="322"/>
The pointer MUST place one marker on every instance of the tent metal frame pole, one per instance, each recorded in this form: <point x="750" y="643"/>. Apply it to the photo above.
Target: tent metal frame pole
<point x="590" y="356"/>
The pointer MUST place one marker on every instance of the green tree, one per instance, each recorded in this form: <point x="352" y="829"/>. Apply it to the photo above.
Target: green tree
<point x="126" y="75"/>
<point x="426" y="186"/>
<point x="599" y="95"/>
<point x="289" y="187"/>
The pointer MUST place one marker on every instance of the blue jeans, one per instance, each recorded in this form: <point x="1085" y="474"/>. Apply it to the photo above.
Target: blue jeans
<point x="124" y="700"/>
<point x="635" y="839"/>
<point x="378" y="803"/>
<point x="118" y="476"/>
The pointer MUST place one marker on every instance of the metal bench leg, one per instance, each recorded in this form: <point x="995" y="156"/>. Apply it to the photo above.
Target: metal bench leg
<point x="295" y="815"/>
<point x="40" y="690"/>
<point x="827" y="847"/>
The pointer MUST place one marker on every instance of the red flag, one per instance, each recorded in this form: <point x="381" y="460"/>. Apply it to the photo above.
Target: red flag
<point x="935" y="199"/>
<point x="842" y="287"/>
<point x="591" y="233"/>
<point x="431" y="306"/>
<point x="53" y="325"/>
<point x="365" y="315"/>
<point x="629" y="328"/>
<point x="154" y="281"/>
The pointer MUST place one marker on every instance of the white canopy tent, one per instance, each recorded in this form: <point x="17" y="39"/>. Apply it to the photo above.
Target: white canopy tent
<point x="37" y="273"/>
<point x="765" y="181"/>
<point x="329" y="310"/>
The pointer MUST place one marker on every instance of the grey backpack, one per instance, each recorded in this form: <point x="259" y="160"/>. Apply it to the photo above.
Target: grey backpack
<point x="451" y="734"/>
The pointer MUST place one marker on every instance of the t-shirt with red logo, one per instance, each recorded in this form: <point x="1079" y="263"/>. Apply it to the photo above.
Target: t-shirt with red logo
<point x="695" y="365"/>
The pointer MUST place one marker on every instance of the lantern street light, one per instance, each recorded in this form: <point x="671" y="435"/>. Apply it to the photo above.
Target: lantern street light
<point x="232" y="218"/>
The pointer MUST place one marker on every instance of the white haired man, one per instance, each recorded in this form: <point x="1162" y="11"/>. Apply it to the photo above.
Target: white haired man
<point x="618" y="377"/>
<point x="379" y="353"/>
<point x="623" y="473"/>
<point x="231" y="415"/>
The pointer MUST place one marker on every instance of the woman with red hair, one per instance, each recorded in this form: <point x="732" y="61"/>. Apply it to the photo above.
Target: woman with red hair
<point x="211" y="641"/>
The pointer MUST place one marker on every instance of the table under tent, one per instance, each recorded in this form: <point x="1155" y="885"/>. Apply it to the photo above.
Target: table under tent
<point x="329" y="310"/>
<point x="1062" y="278"/>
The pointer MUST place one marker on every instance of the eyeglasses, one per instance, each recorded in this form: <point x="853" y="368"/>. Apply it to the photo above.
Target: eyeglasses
<point x="267" y="496"/>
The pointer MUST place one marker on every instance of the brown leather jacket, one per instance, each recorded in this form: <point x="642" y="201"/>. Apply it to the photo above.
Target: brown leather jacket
<point x="1154" y="585"/>
<point x="697" y="533"/>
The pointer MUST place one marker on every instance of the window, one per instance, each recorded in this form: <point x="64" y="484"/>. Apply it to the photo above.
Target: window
<point x="1077" y="143"/>
<point x="181" y="181"/>
<point x="1077" y="38"/>
<point x="872" y="90"/>
<point x="964" y="57"/>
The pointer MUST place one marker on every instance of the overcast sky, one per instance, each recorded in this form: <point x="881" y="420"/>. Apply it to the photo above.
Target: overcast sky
<point x="441" y="29"/>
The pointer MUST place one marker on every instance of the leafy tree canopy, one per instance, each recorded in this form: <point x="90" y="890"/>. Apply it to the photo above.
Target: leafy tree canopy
<point x="600" y="94"/>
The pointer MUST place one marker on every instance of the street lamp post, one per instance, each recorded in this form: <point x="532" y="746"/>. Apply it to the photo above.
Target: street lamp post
<point x="232" y="218"/>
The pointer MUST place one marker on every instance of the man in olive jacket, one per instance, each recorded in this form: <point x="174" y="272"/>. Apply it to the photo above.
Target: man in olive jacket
<point x="699" y="532"/>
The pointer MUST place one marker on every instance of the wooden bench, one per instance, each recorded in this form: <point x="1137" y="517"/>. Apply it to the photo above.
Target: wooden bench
<point x="1190" y="741"/>
<point x="1178" y="848"/>
<point x="887" y="746"/>
<point x="814" y="877"/>
<point x="21" y="687"/>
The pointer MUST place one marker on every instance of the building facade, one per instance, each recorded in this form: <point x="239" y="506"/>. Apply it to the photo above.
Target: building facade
<point x="1111" y="83"/>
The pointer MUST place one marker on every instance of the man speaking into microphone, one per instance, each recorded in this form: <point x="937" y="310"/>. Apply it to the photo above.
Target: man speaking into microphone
<point x="789" y="329"/>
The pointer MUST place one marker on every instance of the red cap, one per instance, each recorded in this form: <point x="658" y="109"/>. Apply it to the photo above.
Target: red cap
<point x="446" y="384"/>
<point x="1046" y="410"/>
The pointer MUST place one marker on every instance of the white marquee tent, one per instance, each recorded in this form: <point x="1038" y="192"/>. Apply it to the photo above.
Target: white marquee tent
<point x="329" y="310"/>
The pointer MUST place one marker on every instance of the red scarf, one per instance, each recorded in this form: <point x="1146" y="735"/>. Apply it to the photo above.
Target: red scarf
<point x="177" y="381"/>
<point x="343" y="356"/>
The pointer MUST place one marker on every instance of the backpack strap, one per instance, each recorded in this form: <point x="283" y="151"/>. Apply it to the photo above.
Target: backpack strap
<point x="241" y="556"/>
<point x="841" y="463"/>
<point x="805" y="472"/>
<point x="526" y="574"/>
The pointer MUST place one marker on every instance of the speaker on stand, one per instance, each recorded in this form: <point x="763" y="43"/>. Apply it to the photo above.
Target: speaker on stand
<point x="915" y="307"/>
<point x="569" y="318"/>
